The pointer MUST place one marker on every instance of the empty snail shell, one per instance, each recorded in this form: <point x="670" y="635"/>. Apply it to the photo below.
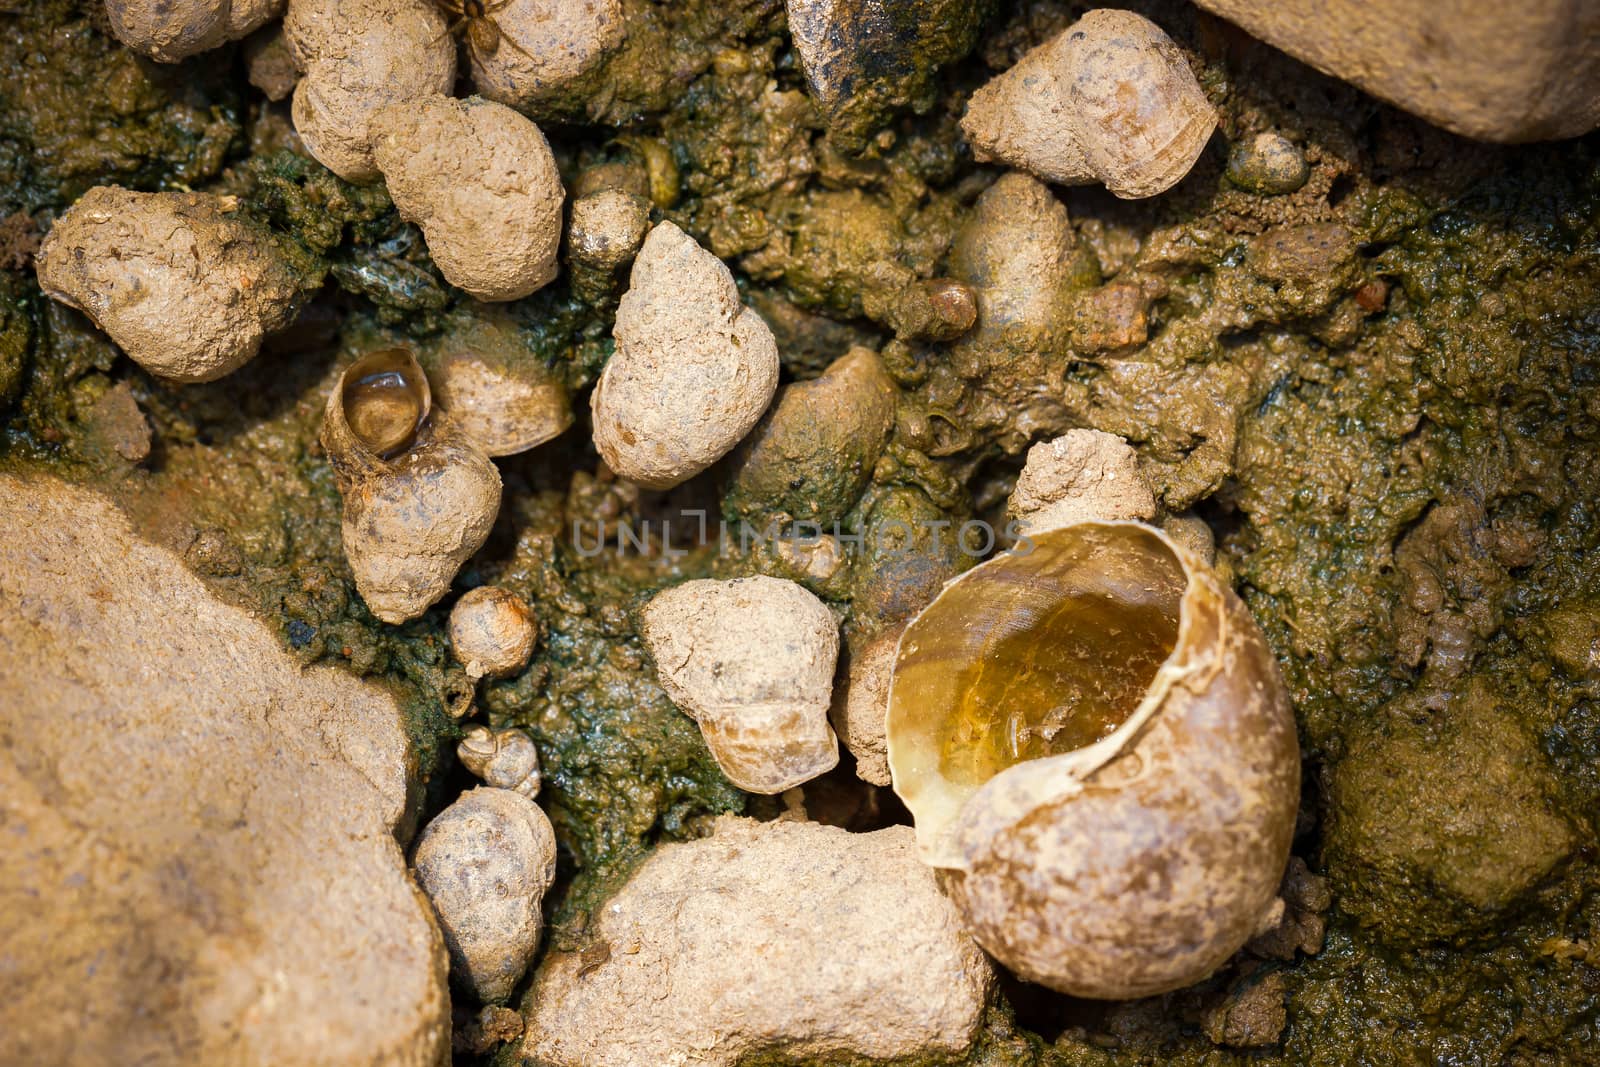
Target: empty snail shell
<point x="492" y="632"/>
<point x="419" y="494"/>
<point x="505" y="759"/>
<point x="1094" y="740"/>
<point x="494" y="386"/>
<point x="485" y="863"/>
<point x="1109" y="99"/>
<point x="751" y="660"/>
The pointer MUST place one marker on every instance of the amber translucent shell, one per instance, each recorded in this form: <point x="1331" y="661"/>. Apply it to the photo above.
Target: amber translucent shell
<point x="1094" y="739"/>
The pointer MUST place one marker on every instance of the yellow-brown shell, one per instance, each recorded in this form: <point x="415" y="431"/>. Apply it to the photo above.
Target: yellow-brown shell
<point x="1094" y="739"/>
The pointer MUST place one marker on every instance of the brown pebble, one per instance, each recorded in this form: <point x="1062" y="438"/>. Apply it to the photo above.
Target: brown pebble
<point x="1111" y="317"/>
<point x="1373" y="296"/>
<point x="954" y="302"/>
<point x="117" y="420"/>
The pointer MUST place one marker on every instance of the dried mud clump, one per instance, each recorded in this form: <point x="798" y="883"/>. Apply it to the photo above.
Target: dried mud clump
<point x="792" y="939"/>
<point x="181" y="281"/>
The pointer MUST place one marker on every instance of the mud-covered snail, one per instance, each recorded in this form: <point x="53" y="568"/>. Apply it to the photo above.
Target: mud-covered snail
<point x="420" y="494"/>
<point x="1097" y="748"/>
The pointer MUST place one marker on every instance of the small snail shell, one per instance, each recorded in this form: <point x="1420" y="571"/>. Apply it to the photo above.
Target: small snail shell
<point x="1081" y="475"/>
<point x="485" y="863"/>
<point x="419" y="495"/>
<point x="813" y="452"/>
<point x="492" y="632"/>
<point x="505" y="759"/>
<point x="503" y="394"/>
<point x="1094" y="739"/>
<point x="1109" y="99"/>
<point x="751" y="660"/>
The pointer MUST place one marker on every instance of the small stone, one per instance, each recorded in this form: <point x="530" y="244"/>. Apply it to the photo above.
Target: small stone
<point x="1269" y="164"/>
<point x="544" y="46"/>
<point x="1081" y="476"/>
<point x="693" y="370"/>
<point x="784" y="937"/>
<point x="1112" y="317"/>
<point x="492" y="632"/>
<point x="119" y="424"/>
<point x="183" y="282"/>
<point x="481" y="182"/>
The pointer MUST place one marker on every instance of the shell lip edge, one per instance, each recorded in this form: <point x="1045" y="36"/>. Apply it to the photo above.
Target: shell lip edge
<point x="946" y="840"/>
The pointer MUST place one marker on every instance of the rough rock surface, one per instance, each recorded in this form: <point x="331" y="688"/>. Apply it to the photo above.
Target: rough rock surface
<point x="765" y="937"/>
<point x="200" y="862"/>
<point x="1528" y="73"/>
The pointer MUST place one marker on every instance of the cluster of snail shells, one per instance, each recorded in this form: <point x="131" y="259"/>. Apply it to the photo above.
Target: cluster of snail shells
<point x="504" y="759"/>
<point x="1097" y="748"/>
<point x="420" y="494"/>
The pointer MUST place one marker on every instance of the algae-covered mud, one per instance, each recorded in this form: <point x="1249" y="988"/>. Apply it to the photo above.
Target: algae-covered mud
<point x="1356" y="360"/>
